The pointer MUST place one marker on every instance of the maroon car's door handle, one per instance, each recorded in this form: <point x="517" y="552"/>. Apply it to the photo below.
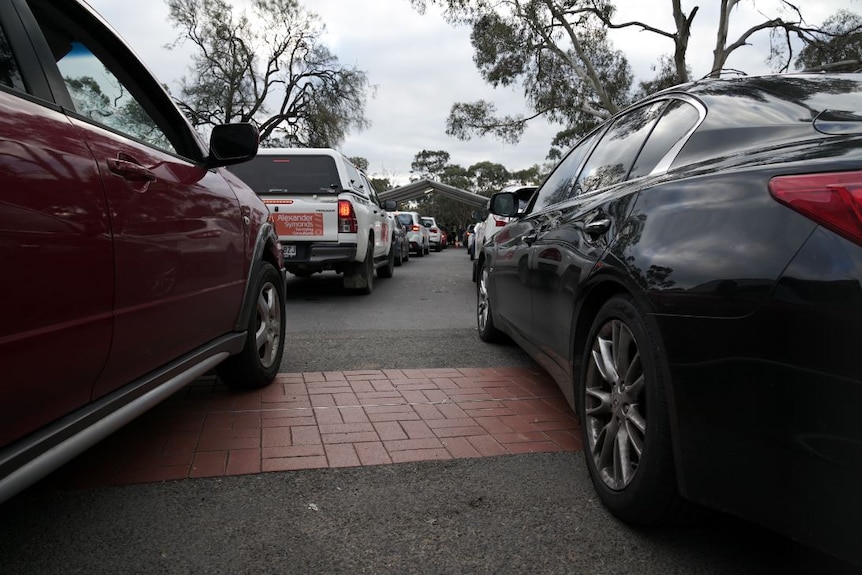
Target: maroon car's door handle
<point x="130" y="170"/>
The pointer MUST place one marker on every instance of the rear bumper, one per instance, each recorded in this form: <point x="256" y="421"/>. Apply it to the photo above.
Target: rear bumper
<point x="318" y="255"/>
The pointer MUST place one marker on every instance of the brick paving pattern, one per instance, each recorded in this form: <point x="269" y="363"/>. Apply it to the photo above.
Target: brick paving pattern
<point x="333" y="419"/>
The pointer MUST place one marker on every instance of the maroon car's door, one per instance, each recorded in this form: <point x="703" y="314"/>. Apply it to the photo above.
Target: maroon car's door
<point x="56" y="268"/>
<point x="179" y="252"/>
<point x="177" y="228"/>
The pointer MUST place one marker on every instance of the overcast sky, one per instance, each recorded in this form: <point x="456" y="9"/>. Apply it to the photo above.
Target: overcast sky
<point x="421" y="65"/>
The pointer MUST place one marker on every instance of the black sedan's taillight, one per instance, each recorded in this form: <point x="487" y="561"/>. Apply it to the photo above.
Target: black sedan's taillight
<point x="833" y="200"/>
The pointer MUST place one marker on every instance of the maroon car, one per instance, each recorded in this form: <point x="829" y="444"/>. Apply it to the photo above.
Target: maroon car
<point x="132" y="261"/>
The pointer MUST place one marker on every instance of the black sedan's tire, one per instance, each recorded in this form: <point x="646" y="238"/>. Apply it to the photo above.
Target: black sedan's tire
<point x="484" y="315"/>
<point x="624" y="417"/>
<point x="257" y="364"/>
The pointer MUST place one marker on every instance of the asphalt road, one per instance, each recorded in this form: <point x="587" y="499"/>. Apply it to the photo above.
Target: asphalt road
<point x="533" y="513"/>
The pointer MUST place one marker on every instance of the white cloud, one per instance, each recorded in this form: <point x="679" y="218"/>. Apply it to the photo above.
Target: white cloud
<point x="421" y="65"/>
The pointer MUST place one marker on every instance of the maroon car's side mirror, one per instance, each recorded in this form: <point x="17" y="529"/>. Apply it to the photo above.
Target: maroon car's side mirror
<point x="232" y="144"/>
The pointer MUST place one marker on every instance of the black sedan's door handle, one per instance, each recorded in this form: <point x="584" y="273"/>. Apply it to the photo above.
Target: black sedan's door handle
<point x="597" y="226"/>
<point x="531" y="237"/>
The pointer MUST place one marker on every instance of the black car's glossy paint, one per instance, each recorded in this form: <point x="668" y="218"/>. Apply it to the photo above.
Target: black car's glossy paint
<point x="758" y="308"/>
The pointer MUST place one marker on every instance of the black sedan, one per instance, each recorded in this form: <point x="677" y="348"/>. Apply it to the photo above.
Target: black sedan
<point x="690" y="275"/>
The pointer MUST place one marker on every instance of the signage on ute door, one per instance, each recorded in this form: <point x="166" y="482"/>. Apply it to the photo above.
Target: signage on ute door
<point x="298" y="224"/>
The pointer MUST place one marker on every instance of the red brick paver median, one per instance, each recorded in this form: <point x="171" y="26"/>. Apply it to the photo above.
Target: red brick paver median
<point x="333" y="419"/>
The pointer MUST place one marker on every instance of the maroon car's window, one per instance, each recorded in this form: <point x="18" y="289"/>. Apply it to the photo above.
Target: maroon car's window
<point x="10" y="74"/>
<point x="94" y="87"/>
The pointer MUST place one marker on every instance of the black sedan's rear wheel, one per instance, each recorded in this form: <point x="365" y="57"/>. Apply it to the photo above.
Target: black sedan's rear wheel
<point x="624" y="417"/>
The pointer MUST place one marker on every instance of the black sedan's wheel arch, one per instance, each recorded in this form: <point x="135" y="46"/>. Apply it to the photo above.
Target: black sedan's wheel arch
<point x="652" y="497"/>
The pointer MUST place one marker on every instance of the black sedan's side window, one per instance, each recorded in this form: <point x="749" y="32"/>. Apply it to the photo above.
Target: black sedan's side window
<point x="558" y="186"/>
<point x="614" y="155"/>
<point x="10" y="74"/>
<point x="677" y="121"/>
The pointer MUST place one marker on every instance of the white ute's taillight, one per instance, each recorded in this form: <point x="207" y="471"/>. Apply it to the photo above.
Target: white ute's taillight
<point x="833" y="200"/>
<point x="346" y="218"/>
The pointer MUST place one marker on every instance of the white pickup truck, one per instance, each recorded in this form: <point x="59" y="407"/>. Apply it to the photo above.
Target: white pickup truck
<point x="326" y="213"/>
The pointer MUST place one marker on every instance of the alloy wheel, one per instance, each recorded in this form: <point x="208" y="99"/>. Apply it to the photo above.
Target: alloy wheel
<point x="267" y="336"/>
<point x="615" y="405"/>
<point x="483" y="303"/>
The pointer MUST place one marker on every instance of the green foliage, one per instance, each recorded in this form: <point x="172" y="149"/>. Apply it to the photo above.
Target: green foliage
<point x="534" y="45"/>
<point x="428" y="165"/>
<point x="666" y="77"/>
<point x="359" y="162"/>
<point x="382" y="184"/>
<point x="840" y="39"/>
<point x="483" y="178"/>
<point x="559" y="53"/>
<point x="268" y="67"/>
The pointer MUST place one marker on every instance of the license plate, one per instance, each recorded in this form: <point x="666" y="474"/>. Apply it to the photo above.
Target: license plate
<point x="289" y="251"/>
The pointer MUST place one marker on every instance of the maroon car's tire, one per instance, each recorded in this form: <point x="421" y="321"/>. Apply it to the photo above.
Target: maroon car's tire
<point x="258" y="363"/>
<point x="624" y="418"/>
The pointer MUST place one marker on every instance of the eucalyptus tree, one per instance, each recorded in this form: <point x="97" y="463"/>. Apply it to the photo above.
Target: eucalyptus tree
<point x="839" y="40"/>
<point x="560" y="53"/>
<point x="569" y="71"/>
<point x="267" y="64"/>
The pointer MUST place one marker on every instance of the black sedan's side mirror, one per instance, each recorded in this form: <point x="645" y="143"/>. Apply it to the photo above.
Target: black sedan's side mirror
<point x="232" y="144"/>
<point x="504" y="204"/>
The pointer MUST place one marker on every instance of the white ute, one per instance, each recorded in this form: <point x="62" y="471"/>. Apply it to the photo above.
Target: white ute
<point x="326" y="213"/>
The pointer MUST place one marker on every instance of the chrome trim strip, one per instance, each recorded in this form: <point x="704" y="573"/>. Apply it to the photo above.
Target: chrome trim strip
<point x="73" y="446"/>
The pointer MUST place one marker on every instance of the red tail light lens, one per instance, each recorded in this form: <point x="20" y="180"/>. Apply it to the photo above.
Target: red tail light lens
<point x="832" y="200"/>
<point x="434" y="230"/>
<point x="414" y="228"/>
<point x="346" y="218"/>
<point x="499" y="223"/>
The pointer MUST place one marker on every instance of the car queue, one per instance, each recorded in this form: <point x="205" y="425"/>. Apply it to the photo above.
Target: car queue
<point x="690" y="273"/>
